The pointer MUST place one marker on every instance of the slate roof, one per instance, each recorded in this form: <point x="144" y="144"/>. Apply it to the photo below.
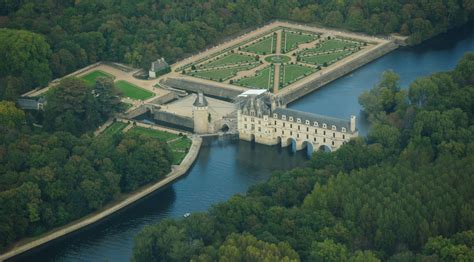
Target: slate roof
<point x="200" y="100"/>
<point x="329" y="121"/>
<point x="158" y="65"/>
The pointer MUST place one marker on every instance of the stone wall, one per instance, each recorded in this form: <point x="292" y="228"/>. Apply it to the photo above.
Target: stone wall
<point x="207" y="89"/>
<point x="305" y="89"/>
<point x="173" y="119"/>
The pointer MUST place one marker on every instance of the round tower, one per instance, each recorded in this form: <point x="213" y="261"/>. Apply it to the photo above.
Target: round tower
<point x="201" y="114"/>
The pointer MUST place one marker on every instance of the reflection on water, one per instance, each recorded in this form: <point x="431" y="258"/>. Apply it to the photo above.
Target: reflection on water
<point x="225" y="167"/>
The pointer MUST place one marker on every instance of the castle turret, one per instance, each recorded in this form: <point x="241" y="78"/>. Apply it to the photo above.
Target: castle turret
<point x="200" y="114"/>
<point x="353" y="123"/>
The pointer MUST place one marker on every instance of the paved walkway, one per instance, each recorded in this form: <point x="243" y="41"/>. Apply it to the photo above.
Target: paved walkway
<point x="276" y="75"/>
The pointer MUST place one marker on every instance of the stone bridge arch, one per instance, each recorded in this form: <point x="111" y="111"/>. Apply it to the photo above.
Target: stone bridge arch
<point x="308" y="147"/>
<point x="325" y="148"/>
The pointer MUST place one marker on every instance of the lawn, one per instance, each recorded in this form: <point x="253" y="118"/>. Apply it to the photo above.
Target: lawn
<point x="114" y="128"/>
<point x="333" y="44"/>
<point x="320" y="59"/>
<point x="292" y="73"/>
<point x="133" y="91"/>
<point x="262" y="80"/>
<point x="229" y="60"/>
<point x="291" y="40"/>
<point x="92" y="76"/>
<point x="179" y="145"/>
<point x="221" y="74"/>
<point x="262" y="47"/>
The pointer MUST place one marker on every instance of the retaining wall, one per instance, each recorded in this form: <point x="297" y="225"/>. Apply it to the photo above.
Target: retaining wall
<point x="207" y="89"/>
<point x="303" y="90"/>
<point x="173" y="119"/>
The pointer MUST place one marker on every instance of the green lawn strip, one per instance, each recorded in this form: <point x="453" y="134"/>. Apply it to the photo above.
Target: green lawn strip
<point x="330" y="58"/>
<point x="294" y="39"/>
<point x="292" y="73"/>
<point x="92" y="76"/>
<point x="262" y="80"/>
<point x="221" y="74"/>
<point x="114" y="128"/>
<point x="179" y="145"/>
<point x="333" y="44"/>
<point x="133" y="91"/>
<point x="261" y="47"/>
<point x="230" y="59"/>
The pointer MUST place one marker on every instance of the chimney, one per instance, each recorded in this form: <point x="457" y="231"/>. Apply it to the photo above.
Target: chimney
<point x="353" y="123"/>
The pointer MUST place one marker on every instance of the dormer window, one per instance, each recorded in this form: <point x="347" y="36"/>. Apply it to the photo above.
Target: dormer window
<point x="283" y="117"/>
<point x="298" y="120"/>
<point x="275" y="115"/>
<point x="333" y="127"/>
<point x="316" y="124"/>
<point x="307" y="122"/>
<point x="291" y="118"/>
<point x="343" y="130"/>
<point x="325" y="126"/>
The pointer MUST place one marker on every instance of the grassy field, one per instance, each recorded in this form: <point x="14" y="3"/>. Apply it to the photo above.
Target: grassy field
<point x="221" y="74"/>
<point x="114" y="128"/>
<point x="179" y="145"/>
<point x="263" y="47"/>
<point x="92" y="76"/>
<point x="333" y="44"/>
<point x="262" y="80"/>
<point x="291" y="40"/>
<point x="230" y="59"/>
<point x="293" y="72"/>
<point x="320" y="59"/>
<point x="133" y="91"/>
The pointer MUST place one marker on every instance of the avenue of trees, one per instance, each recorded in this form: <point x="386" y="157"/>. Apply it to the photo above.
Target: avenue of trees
<point x="59" y="172"/>
<point x="403" y="193"/>
<point x="72" y="34"/>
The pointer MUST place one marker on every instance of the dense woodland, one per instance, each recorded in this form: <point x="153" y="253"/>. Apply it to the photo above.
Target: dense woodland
<point x="62" y="36"/>
<point x="59" y="172"/>
<point x="403" y="193"/>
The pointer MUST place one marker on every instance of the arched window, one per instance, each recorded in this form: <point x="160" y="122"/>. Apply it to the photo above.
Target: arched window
<point x="291" y="118"/>
<point x="298" y="120"/>
<point x="316" y="124"/>
<point x="333" y="127"/>
<point x="307" y="122"/>
<point x="325" y="126"/>
<point x="343" y="130"/>
<point x="275" y="115"/>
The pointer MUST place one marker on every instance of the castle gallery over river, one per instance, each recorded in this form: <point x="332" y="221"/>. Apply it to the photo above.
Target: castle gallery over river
<point x="242" y="87"/>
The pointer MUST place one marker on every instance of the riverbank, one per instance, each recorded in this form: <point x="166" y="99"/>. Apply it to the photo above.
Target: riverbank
<point x="127" y="200"/>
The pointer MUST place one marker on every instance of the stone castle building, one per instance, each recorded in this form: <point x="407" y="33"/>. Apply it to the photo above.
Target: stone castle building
<point x="261" y="120"/>
<point x="158" y="68"/>
<point x="200" y="114"/>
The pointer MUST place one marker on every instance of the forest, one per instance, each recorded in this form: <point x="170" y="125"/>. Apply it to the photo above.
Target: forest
<point x="403" y="193"/>
<point x="49" y="39"/>
<point x="53" y="170"/>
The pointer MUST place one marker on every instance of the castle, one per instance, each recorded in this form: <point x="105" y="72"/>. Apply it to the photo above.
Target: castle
<point x="261" y="119"/>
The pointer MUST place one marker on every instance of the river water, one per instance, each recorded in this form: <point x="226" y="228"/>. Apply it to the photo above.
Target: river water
<point x="225" y="168"/>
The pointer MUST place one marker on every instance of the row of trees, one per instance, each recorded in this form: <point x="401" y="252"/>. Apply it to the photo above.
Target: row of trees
<point x="80" y="33"/>
<point x="59" y="172"/>
<point x="404" y="193"/>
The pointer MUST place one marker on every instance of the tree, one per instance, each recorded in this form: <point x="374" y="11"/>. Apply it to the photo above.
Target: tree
<point x="24" y="55"/>
<point x="328" y="251"/>
<point x="246" y="247"/>
<point x="10" y="115"/>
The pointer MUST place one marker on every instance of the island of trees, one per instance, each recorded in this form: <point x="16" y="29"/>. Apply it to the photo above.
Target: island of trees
<point x="53" y="170"/>
<point x="403" y="193"/>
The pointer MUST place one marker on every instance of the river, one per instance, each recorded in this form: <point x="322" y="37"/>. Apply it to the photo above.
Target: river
<point x="225" y="168"/>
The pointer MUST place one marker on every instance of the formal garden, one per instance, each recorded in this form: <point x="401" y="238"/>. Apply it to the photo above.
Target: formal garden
<point x="273" y="60"/>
